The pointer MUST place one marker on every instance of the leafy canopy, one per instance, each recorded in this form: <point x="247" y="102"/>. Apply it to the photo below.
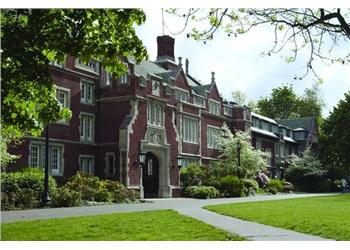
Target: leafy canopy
<point x="31" y="38"/>
<point x="335" y="139"/>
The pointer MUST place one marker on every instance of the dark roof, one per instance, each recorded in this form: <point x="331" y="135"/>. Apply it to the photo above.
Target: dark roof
<point x="148" y="67"/>
<point x="202" y="89"/>
<point x="304" y="122"/>
<point x="192" y="81"/>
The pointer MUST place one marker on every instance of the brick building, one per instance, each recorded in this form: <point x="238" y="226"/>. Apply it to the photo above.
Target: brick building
<point x="158" y="109"/>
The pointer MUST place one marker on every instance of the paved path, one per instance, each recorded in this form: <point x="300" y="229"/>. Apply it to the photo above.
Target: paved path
<point x="189" y="207"/>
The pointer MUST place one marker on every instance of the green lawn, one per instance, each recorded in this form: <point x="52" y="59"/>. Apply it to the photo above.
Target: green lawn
<point x="327" y="216"/>
<point x="151" y="225"/>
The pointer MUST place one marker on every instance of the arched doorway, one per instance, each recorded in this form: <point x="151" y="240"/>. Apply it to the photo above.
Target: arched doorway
<point x="150" y="176"/>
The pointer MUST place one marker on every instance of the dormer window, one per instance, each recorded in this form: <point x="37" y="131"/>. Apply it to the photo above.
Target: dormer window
<point x="181" y="95"/>
<point x="214" y="107"/>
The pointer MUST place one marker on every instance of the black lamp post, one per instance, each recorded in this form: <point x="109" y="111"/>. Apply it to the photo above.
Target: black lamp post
<point x="179" y="161"/>
<point x="238" y="145"/>
<point x="45" y="198"/>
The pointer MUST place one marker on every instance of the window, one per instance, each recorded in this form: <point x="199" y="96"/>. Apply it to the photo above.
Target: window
<point x="92" y="65"/>
<point x="258" y="143"/>
<point x="155" y="114"/>
<point x="150" y="167"/>
<point x="212" y="134"/>
<point x="190" y="130"/>
<point x="199" y="101"/>
<point x="265" y="126"/>
<point x="214" y="107"/>
<point x="124" y="79"/>
<point x="86" y="163"/>
<point x="261" y="124"/>
<point x="227" y="111"/>
<point x="37" y="156"/>
<point x="86" y="127"/>
<point x="255" y="122"/>
<point x="282" y="150"/>
<point x="106" y="78"/>
<point x="155" y="88"/>
<point x="63" y="96"/>
<point x="86" y="92"/>
<point x="277" y="147"/>
<point x="189" y="160"/>
<point x="181" y="95"/>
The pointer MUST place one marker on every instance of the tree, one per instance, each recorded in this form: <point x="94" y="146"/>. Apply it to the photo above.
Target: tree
<point x="240" y="98"/>
<point x="252" y="160"/>
<point x="320" y="31"/>
<point x="282" y="104"/>
<point x="306" y="172"/>
<point x="31" y="38"/>
<point x="335" y="140"/>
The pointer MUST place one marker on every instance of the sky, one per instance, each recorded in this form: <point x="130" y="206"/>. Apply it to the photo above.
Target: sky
<point x="238" y="64"/>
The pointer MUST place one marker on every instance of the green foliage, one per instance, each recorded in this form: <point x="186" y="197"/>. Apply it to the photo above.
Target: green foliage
<point x="231" y="186"/>
<point x="284" y="103"/>
<point x="274" y="186"/>
<point x="31" y="38"/>
<point x="306" y="172"/>
<point x="65" y="197"/>
<point x="192" y="175"/>
<point x="287" y="187"/>
<point x="252" y="160"/>
<point x="6" y="140"/>
<point x="93" y="189"/>
<point x="23" y="189"/>
<point x="251" y="187"/>
<point x="201" y="192"/>
<point x="335" y="140"/>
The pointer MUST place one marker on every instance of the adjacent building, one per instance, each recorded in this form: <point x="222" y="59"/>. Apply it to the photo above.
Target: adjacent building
<point x="157" y="109"/>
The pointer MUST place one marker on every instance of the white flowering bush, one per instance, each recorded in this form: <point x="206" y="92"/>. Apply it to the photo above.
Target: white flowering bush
<point x="251" y="160"/>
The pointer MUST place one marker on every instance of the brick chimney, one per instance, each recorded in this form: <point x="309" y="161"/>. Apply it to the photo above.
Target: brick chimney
<point x="165" y="48"/>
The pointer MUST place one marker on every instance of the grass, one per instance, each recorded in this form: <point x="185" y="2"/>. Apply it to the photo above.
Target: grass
<point x="151" y="225"/>
<point x="327" y="216"/>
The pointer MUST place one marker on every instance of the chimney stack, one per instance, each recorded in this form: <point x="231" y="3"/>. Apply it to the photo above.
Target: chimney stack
<point x="186" y="65"/>
<point x="180" y="61"/>
<point x="213" y="77"/>
<point x="165" y="47"/>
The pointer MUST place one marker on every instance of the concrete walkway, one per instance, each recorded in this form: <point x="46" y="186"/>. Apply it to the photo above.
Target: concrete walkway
<point x="189" y="207"/>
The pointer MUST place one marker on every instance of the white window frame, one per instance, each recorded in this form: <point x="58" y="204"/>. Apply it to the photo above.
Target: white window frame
<point x="66" y="103"/>
<point x="40" y="157"/>
<point x="85" y="86"/>
<point x="190" y="130"/>
<point x="200" y="103"/>
<point x="84" y="127"/>
<point x="155" y="114"/>
<point x="182" y="95"/>
<point x="189" y="160"/>
<point x="93" y="66"/>
<point x="124" y="78"/>
<point x="211" y="140"/>
<point x="214" y="107"/>
<point x="91" y="170"/>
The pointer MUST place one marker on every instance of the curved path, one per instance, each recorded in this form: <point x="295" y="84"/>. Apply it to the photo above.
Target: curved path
<point x="185" y="206"/>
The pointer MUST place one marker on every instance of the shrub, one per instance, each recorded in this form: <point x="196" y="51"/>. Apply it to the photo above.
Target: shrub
<point x="251" y="187"/>
<point x="192" y="175"/>
<point x="274" y="186"/>
<point x="287" y="187"/>
<point x="201" y="192"/>
<point x="231" y="186"/>
<point x="23" y="189"/>
<point x="64" y="197"/>
<point x="85" y="184"/>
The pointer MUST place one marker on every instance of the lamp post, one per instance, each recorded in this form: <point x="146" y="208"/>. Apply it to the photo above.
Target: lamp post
<point x="238" y="146"/>
<point x="45" y="198"/>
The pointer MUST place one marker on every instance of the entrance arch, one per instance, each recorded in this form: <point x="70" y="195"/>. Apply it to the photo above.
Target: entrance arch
<point x="150" y="176"/>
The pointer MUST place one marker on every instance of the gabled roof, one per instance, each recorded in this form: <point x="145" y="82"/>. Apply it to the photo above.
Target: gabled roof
<point x="304" y="122"/>
<point x="202" y="89"/>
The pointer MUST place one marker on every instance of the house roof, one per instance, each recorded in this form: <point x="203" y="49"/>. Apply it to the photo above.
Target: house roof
<point x="263" y="118"/>
<point x="202" y="89"/>
<point x="264" y="132"/>
<point x="304" y="122"/>
<point x="148" y="67"/>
